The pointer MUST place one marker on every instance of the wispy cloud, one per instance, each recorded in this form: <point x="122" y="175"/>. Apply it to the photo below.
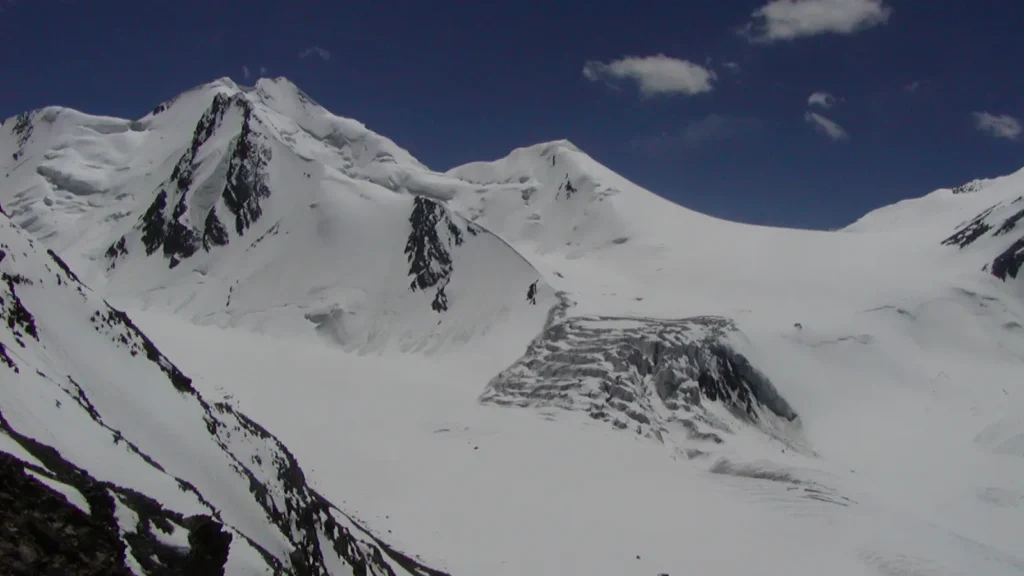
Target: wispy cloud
<point x="823" y="99"/>
<point x="710" y="130"/>
<point x="734" y="66"/>
<point x="263" y="70"/>
<point x="654" y="75"/>
<point x="1002" y="126"/>
<point x="245" y="72"/>
<point x="322" y="53"/>
<point x="791" y="19"/>
<point x="913" y="86"/>
<point x="826" y="127"/>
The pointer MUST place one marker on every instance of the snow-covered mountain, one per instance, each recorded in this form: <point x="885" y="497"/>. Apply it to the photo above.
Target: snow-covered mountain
<point x="569" y="374"/>
<point x="257" y="207"/>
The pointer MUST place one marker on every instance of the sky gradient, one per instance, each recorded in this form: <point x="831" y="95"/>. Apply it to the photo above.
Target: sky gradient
<point x="706" y="103"/>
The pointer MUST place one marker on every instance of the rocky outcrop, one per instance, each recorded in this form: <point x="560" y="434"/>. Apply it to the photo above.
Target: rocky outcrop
<point x="1008" y="264"/>
<point x="1010" y="223"/>
<point x="567" y="187"/>
<point x="176" y="236"/>
<point x="995" y="222"/>
<point x="429" y="249"/>
<point x="653" y="376"/>
<point x="242" y="191"/>
<point x="970" y="187"/>
<point x="43" y="532"/>
<point x="531" y="293"/>
<point x="23" y="129"/>
<point x="971" y="231"/>
<point x="20" y="321"/>
<point x="247" y="179"/>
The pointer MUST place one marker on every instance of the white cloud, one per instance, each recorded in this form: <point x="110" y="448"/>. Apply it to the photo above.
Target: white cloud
<point x="825" y="126"/>
<point x="1004" y="126"/>
<point x="245" y="72"/>
<point x="322" y="53"/>
<point x="734" y="66"/>
<point x="791" y="19"/>
<point x="654" y="74"/>
<point x="823" y="99"/>
<point x="263" y="70"/>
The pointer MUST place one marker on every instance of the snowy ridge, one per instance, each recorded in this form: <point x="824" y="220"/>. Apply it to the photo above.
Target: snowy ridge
<point x="90" y="406"/>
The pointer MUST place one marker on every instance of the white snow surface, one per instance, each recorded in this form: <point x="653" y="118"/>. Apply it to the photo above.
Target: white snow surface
<point x="901" y="355"/>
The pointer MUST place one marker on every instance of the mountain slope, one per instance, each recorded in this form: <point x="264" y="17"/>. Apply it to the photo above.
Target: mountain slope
<point x="91" y="409"/>
<point x="981" y="220"/>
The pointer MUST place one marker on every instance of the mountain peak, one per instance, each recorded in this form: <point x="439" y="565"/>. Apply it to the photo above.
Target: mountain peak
<point x="552" y="146"/>
<point x="224" y="81"/>
<point x="280" y="81"/>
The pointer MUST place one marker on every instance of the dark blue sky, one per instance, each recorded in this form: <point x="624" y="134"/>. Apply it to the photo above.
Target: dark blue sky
<point x="460" y="81"/>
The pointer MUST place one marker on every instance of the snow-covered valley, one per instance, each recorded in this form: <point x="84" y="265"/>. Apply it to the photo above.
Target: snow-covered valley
<point x="526" y="366"/>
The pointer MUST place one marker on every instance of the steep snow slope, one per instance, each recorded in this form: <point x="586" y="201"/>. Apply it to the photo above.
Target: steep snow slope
<point x="90" y="408"/>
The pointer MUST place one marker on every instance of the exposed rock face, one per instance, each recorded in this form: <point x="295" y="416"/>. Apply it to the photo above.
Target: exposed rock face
<point x="998" y="220"/>
<point x="429" y="247"/>
<point x="644" y="374"/>
<point x="23" y="128"/>
<point x="1008" y="263"/>
<point x="970" y="232"/>
<point x="243" y="189"/>
<point x="970" y="187"/>
<point x="41" y="532"/>
<point x="567" y="187"/>
<point x="247" y="178"/>
<point x="19" y="320"/>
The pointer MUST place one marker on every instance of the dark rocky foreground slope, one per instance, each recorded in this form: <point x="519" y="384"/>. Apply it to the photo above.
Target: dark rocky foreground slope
<point x="112" y="463"/>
